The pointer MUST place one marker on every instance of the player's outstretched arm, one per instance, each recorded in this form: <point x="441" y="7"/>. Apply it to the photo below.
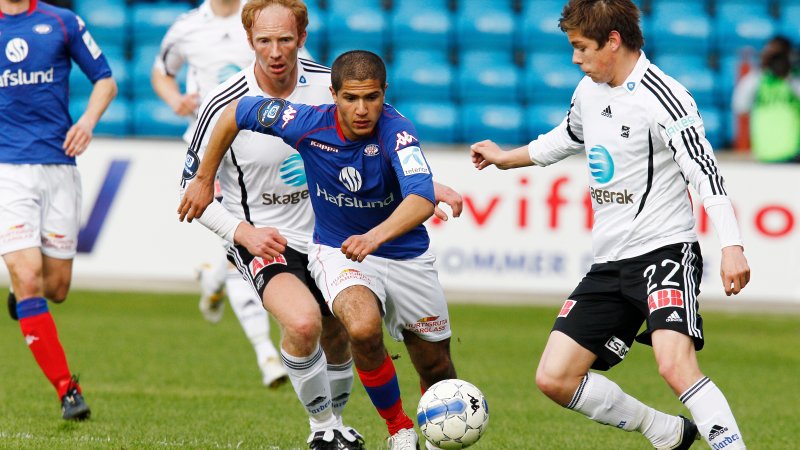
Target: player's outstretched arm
<point x="200" y="192"/>
<point x="444" y="193"/>
<point x="80" y="134"/>
<point x="486" y="153"/>
<point x="734" y="270"/>
<point x="412" y="211"/>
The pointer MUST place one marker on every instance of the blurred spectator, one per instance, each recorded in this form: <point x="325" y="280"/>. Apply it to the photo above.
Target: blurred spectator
<point x="771" y="94"/>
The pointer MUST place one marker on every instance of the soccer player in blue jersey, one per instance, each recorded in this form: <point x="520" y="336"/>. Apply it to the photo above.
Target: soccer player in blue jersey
<point x="371" y="190"/>
<point x="39" y="182"/>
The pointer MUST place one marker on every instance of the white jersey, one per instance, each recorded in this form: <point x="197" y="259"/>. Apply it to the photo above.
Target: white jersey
<point x="262" y="179"/>
<point x="214" y="47"/>
<point x="644" y="141"/>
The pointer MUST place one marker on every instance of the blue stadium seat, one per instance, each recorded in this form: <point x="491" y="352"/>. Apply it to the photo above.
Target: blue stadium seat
<point x="502" y="123"/>
<point x="487" y="27"/>
<point x="483" y="6"/>
<point x="422" y="76"/>
<point x="678" y="27"/>
<point x="317" y="21"/>
<point x="79" y="85"/>
<point x="339" y="6"/>
<point x="478" y="58"/>
<point x="693" y="73"/>
<point x="550" y="77"/>
<point x="435" y="122"/>
<point x="789" y="24"/>
<point x="419" y="26"/>
<point x="743" y="24"/>
<point x="114" y="122"/>
<point x="498" y="82"/>
<point x="543" y="117"/>
<point x="155" y="118"/>
<point x="441" y="5"/>
<point x="140" y="70"/>
<point x="107" y="21"/>
<point x="363" y="28"/>
<point x="150" y="21"/>
<point x="715" y="125"/>
<point x="539" y="31"/>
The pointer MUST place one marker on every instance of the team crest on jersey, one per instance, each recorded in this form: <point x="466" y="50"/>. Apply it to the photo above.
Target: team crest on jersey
<point x="403" y="139"/>
<point x="288" y="115"/>
<point x="191" y="165"/>
<point x="350" y="178"/>
<point x="269" y="112"/>
<point x="16" y="50"/>
<point x="42" y="28"/>
<point x="371" y="150"/>
<point x="412" y="161"/>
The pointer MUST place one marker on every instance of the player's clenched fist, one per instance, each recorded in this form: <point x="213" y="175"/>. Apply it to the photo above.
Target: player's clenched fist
<point x="266" y="242"/>
<point x="358" y="246"/>
<point x="484" y="154"/>
<point x="195" y="200"/>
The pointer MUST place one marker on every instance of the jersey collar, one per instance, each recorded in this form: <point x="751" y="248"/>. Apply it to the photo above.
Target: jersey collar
<point x="208" y="13"/>
<point x="634" y="79"/>
<point x="31" y="7"/>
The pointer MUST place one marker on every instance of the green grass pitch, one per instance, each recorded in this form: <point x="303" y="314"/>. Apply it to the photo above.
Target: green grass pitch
<point x="157" y="376"/>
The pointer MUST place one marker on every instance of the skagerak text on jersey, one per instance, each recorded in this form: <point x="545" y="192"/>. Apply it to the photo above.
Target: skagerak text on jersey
<point x="603" y="196"/>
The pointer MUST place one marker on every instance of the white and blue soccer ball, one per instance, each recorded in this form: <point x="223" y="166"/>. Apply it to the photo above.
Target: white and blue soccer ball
<point x="452" y="414"/>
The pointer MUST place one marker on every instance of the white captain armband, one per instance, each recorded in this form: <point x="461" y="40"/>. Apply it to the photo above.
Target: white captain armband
<point x="720" y="210"/>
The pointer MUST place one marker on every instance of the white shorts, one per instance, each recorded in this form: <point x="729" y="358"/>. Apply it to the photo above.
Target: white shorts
<point x="40" y="207"/>
<point x="409" y="291"/>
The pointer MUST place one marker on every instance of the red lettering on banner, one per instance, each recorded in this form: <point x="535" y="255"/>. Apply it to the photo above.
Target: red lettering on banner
<point x="522" y="212"/>
<point x="774" y="210"/>
<point x="665" y="298"/>
<point x="481" y="216"/>
<point x="554" y="200"/>
<point x="566" y="308"/>
<point x="259" y="263"/>
<point x="587" y="206"/>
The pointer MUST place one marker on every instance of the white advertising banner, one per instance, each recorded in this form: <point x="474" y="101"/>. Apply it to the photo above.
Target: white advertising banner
<point x="522" y="232"/>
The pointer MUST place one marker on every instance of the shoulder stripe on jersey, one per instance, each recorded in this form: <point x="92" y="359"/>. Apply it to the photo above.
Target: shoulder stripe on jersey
<point x="309" y="63"/>
<point x="242" y="187"/>
<point x="235" y="91"/>
<point x="569" y="130"/>
<point x="690" y="137"/>
<point x="669" y="91"/>
<point x="315" y="70"/>
<point x="649" y="174"/>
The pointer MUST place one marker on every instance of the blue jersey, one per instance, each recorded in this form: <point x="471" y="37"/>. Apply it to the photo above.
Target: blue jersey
<point x="38" y="48"/>
<point x="354" y="185"/>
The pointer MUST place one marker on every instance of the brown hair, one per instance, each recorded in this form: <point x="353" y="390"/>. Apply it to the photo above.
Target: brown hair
<point x="596" y="19"/>
<point x="253" y="7"/>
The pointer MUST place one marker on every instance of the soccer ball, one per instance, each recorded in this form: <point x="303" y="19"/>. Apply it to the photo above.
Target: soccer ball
<point x="452" y="414"/>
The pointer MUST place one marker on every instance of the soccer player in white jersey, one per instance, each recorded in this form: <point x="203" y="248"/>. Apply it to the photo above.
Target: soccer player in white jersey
<point x="211" y="40"/>
<point x="40" y="187"/>
<point x="644" y="140"/>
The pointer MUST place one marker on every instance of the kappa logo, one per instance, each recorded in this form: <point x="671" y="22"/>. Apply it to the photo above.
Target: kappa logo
<point x="607" y="112"/>
<point x="288" y="115"/>
<point x="403" y="138"/>
<point x="674" y="317"/>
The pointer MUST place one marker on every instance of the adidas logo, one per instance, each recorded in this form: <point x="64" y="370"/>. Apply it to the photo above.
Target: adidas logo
<point x="674" y="317"/>
<point x="716" y="431"/>
<point x="606" y="112"/>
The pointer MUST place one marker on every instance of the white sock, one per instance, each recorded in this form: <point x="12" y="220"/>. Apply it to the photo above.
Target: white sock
<point x="251" y="314"/>
<point x="341" y="379"/>
<point x="603" y="401"/>
<point x="310" y="381"/>
<point x="713" y="415"/>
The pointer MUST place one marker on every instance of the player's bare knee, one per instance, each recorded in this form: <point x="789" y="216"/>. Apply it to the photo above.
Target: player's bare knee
<point x="558" y="389"/>
<point x="303" y="329"/>
<point x="365" y="336"/>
